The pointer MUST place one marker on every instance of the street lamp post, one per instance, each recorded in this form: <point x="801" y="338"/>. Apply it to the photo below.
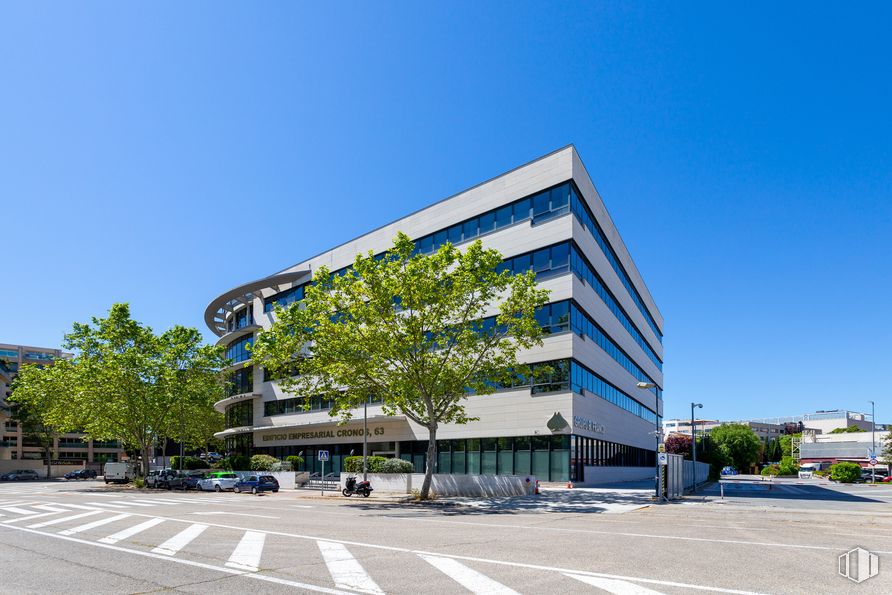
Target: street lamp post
<point x="694" y="446"/>
<point x="365" y="440"/>
<point x="873" y="441"/>
<point x="658" y="489"/>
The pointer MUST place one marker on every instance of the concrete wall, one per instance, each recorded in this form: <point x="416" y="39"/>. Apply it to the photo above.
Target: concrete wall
<point x="19" y="464"/>
<point x="601" y="475"/>
<point x="451" y="485"/>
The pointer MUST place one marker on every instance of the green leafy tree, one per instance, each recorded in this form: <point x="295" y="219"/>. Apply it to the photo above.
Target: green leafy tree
<point x="408" y="329"/>
<point x="738" y="445"/>
<point x="847" y="430"/>
<point x="125" y="382"/>
<point x="32" y="388"/>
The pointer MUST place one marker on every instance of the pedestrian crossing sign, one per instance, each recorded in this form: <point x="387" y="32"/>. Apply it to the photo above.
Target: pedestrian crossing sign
<point x="323" y="455"/>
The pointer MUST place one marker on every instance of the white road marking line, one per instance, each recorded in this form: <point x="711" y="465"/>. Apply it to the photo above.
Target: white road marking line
<point x="94" y="524"/>
<point x="106" y="504"/>
<point x="31" y="516"/>
<point x="246" y="555"/>
<point x="80" y="506"/>
<point x="129" y="503"/>
<point x="15" y="510"/>
<point x="49" y="508"/>
<point x="62" y="520"/>
<point x="468" y="578"/>
<point x="300" y="506"/>
<point x="180" y="540"/>
<point x="223" y="569"/>
<point x="116" y="537"/>
<point x="614" y="586"/>
<point x="346" y="572"/>
<point x="155" y="502"/>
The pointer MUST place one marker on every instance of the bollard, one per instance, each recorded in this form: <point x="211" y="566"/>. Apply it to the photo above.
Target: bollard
<point x="722" y="488"/>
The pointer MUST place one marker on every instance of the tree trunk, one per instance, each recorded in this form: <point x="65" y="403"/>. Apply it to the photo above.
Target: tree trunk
<point x="49" y="466"/>
<point x="431" y="463"/>
<point x="146" y="451"/>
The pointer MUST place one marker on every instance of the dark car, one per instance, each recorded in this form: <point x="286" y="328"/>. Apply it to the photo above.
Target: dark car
<point x="22" y="475"/>
<point x="7" y="476"/>
<point x="80" y="474"/>
<point x="190" y="481"/>
<point x="257" y="483"/>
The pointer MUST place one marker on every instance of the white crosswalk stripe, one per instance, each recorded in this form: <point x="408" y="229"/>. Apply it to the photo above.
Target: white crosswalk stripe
<point x="155" y="502"/>
<point x="130" y="532"/>
<point x="15" y="510"/>
<point x="248" y="551"/>
<point x="468" y="578"/>
<point x="94" y="524"/>
<point x="64" y="519"/>
<point x="31" y="516"/>
<point x="79" y="506"/>
<point x="615" y="586"/>
<point x="180" y="540"/>
<point x="106" y="505"/>
<point x="50" y="508"/>
<point x="130" y="503"/>
<point x="346" y="572"/>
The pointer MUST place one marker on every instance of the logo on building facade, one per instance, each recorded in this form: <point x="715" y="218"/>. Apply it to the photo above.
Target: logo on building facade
<point x="557" y="422"/>
<point x="858" y="565"/>
<point x="583" y="423"/>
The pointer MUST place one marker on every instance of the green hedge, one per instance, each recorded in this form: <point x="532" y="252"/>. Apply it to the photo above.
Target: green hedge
<point x="770" y="470"/>
<point x="378" y="465"/>
<point x="263" y="462"/>
<point x="845" y="472"/>
<point x="296" y="462"/>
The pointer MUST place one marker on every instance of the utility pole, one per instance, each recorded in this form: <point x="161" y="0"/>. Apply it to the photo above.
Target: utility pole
<point x="365" y="440"/>
<point x="873" y="441"/>
<point x="694" y="446"/>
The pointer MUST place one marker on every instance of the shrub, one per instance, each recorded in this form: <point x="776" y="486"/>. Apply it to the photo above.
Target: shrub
<point x="354" y="464"/>
<point x="396" y="466"/>
<point x="263" y="462"/>
<point x="788" y="466"/>
<point x="280" y="466"/>
<point x="139" y="483"/>
<point x="224" y="464"/>
<point x="845" y="472"/>
<point x="770" y="470"/>
<point x="296" y="462"/>
<point x="239" y="463"/>
<point x="189" y="463"/>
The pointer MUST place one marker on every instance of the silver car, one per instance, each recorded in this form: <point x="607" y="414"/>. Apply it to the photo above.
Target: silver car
<point x="218" y="482"/>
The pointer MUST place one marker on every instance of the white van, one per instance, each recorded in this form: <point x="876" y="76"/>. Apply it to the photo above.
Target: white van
<point x="119" y="472"/>
<point x="807" y="470"/>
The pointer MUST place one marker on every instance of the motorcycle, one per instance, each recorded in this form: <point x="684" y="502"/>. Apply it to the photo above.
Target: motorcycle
<point x="363" y="488"/>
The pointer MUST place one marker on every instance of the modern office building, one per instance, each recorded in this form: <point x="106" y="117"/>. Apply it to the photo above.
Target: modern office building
<point x="824" y="421"/>
<point x="604" y="335"/>
<point x="765" y="431"/>
<point x="18" y="445"/>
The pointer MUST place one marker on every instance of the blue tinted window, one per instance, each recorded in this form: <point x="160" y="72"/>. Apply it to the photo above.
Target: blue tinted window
<point x="426" y="244"/>
<point x="503" y="216"/>
<point x="560" y="197"/>
<point x="522" y="210"/>
<point x="540" y="203"/>
<point x="454" y="234"/>
<point x="560" y="256"/>
<point x="541" y="260"/>
<point x="439" y="239"/>
<point x="487" y="222"/>
<point x="522" y="263"/>
<point x="469" y="229"/>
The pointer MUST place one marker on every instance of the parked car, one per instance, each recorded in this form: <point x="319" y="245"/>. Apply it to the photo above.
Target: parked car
<point x="175" y="480"/>
<point x="23" y="475"/>
<point x="257" y="483"/>
<point x="212" y="457"/>
<point x="164" y="478"/>
<point x="80" y="474"/>
<point x="151" y="478"/>
<point x="7" y="476"/>
<point x="218" y="481"/>
<point x="729" y="470"/>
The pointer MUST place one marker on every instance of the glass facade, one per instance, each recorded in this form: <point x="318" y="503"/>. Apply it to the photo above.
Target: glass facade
<point x="592" y="452"/>
<point x="240" y="414"/>
<point x="583" y="378"/>
<point x="39" y="356"/>
<point x="241" y="444"/>
<point x="283" y="298"/>
<point x="241" y="319"/>
<point x="587" y="219"/>
<point x="241" y="381"/>
<point x="237" y="351"/>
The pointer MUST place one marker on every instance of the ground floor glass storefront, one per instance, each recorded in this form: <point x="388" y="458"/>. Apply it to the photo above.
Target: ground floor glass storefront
<point x="550" y="458"/>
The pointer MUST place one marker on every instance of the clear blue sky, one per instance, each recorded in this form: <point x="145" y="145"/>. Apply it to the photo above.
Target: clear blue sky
<point x="160" y="156"/>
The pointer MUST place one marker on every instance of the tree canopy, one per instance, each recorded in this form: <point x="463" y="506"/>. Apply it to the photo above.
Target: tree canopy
<point x="419" y="332"/>
<point x="737" y="444"/>
<point x="125" y="382"/>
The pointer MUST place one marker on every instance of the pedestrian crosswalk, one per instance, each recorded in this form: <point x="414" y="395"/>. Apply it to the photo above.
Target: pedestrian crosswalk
<point x="319" y="564"/>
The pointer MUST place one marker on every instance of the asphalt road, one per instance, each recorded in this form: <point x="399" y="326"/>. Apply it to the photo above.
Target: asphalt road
<point x="86" y="537"/>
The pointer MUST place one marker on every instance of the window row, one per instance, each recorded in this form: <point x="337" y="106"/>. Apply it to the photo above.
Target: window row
<point x="239" y="350"/>
<point x="583" y="268"/>
<point x="241" y="319"/>
<point x="241" y="381"/>
<point x="591" y="452"/>
<point x="587" y="219"/>
<point x="240" y="414"/>
<point x="583" y="325"/>
<point x="583" y="378"/>
<point x="283" y="298"/>
<point x="299" y="405"/>
<point x="9" y="354"/>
